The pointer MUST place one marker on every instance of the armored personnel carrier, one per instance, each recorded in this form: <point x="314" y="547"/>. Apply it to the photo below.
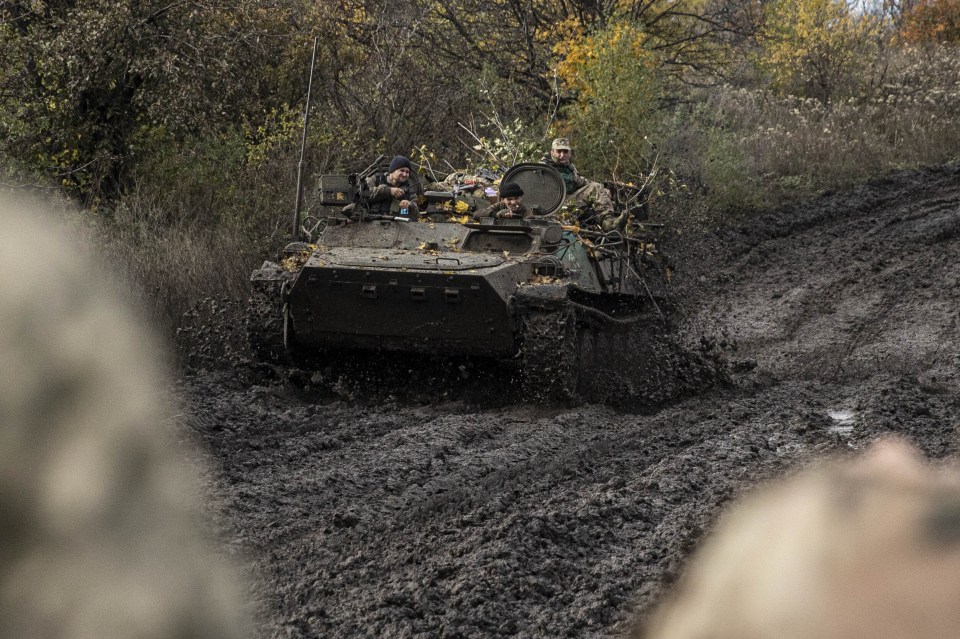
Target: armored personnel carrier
<point x="534" y="293"/>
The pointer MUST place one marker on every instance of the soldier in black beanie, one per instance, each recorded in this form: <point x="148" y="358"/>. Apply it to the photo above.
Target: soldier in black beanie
<point x="510" y="206"/>
<point x="394" y="192"/>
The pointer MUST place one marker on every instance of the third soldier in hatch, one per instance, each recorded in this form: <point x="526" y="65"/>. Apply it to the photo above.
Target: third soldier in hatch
<point x="581" y="192"/>
<point x="510" y="205"/>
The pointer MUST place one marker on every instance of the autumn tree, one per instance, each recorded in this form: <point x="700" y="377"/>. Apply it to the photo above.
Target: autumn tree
<point x="814" y="47"/>
<point x="84" y="83"/>
<point x="88" y="87"/>
<point x="924" y="21"/>
<point x="518" y="39"/>
<point x="381" y="82"/>
<point x="618" y="85"/>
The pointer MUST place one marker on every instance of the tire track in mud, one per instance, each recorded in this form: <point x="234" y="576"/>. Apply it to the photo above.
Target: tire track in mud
<point x="423" y="520"/>
<point x="828" y="300"/>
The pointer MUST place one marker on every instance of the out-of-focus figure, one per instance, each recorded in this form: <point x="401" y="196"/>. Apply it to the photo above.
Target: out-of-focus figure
<point x="864" y="549"/>
<point x="100" y="536"/>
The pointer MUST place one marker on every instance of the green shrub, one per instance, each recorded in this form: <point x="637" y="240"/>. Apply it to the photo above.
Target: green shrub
<point x="615" y="117"/>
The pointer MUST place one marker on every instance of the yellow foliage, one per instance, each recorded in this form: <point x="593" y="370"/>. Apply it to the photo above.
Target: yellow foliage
<point x="563" y="34"/>
<point x="277" y="126"/>
<point x="931" y="21"/>
<point x="295" y="261"/>
<point x="579" y="53"/>
<point x="814" y="44"/>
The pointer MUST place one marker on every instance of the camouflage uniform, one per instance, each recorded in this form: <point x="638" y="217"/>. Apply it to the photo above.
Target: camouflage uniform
<point x="380" y="199"/>
<point x="469" y="188"/>
<point x="858" y="549"/>
<point x="584" y="193"/>
<point x="481" y="178"/>
<point x="102" y="534"/>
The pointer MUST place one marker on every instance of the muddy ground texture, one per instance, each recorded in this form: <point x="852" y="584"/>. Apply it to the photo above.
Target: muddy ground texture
<point x="437" y="503"/>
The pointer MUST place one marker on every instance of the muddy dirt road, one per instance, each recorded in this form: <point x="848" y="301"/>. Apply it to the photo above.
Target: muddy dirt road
<point x="438" y="514"/>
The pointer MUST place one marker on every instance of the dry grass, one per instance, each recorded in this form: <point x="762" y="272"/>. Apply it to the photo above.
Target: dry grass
<point x="761" y="148"/>
<point x="175" y="267"/>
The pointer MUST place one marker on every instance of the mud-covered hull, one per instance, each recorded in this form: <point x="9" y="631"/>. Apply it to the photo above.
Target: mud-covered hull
<point x="394" y="300"/>
<point x="531" y="291"/>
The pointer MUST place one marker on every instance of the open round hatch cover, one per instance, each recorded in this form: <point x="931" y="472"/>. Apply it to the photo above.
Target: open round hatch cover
<point x="543" y="189"/>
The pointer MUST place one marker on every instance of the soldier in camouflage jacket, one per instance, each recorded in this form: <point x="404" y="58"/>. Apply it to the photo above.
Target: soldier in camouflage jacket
<point x="581" y="192"/>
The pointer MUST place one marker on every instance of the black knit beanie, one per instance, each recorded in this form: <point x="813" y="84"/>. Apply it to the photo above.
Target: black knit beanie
<point x="398" y="162"/>
<point x="510" y="189"/>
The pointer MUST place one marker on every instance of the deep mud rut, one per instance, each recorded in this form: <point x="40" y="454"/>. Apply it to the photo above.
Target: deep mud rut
<point x="445" y="506"/>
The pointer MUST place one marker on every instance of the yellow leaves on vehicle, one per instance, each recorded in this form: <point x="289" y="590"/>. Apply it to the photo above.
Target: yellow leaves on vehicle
<point x="463" y="219"/>
<point x="297" y="259"/>
<point x="292" y="263"/>
<point x="543" y="279"/>
<point x="458" y="208"/>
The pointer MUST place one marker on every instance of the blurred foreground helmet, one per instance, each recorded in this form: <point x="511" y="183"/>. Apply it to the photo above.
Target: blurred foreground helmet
<point x="100" y="537"/>
<point x="858" y="550"/>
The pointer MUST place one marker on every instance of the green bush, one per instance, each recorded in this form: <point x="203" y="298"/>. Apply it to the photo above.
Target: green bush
<point x="616" y="117"/>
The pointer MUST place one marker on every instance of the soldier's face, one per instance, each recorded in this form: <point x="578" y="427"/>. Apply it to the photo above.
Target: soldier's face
<point x="560" y="156"/>
<point x="512" y="203"/>
<point x="400" y="176"/>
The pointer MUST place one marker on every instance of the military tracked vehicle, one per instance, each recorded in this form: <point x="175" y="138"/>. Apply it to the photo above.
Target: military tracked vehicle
<point x="534" y="293"/>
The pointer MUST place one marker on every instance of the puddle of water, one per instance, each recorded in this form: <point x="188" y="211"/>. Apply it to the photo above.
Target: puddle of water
<point x="789" y="449"/>
<point x="843" y="422"/>
<point x="841" y="415"/>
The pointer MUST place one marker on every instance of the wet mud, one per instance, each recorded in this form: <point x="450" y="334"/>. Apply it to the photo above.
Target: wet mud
<point x="394" y="499"/>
